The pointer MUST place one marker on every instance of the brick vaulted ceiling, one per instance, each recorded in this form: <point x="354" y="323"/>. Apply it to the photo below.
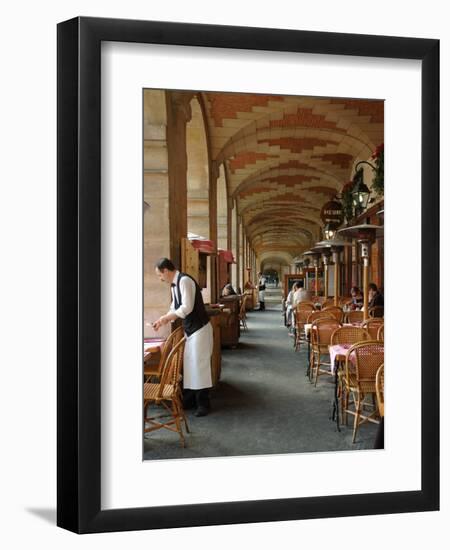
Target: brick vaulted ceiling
<point x="285" y="156"/>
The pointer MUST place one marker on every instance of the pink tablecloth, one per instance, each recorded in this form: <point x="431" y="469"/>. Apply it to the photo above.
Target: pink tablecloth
<point x="338" y="349"/>
<point x="152" y="345"/>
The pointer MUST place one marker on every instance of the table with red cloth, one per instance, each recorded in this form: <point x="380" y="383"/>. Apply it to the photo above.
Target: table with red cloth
<point x="152" y="346"/>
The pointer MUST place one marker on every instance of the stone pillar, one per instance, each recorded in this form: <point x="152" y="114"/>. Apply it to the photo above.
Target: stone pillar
<point x="213" y="234"/>
<point x="234" y="245"/>
<point x="238" y="252"/>
<point x="156" y="228"/>
<point x="178" y="114"/>
<point x="229" y="225"/>
<point x="244" y="258"/>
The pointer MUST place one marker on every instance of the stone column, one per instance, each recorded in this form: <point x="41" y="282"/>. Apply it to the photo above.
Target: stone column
<point x="178" y="114"/>
<point x="229" y="222"/>
<point x="156" y="207"/>
<point x="213" y="177"/>
<point x="238" y="252"/>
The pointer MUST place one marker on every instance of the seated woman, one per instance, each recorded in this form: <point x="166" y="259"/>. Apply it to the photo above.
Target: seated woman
<point x="228" y="290"/>
<point x="301" y="294"/>
<point x="357" y="298"/>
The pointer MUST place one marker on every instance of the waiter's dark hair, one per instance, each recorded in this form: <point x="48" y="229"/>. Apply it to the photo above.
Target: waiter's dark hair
<point x="165" y="263"/>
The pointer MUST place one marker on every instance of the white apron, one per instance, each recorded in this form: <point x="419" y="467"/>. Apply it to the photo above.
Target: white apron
<point x="197" y="359"/>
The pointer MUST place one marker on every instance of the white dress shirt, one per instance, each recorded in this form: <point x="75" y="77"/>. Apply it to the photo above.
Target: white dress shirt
<point x="187" y="290"/>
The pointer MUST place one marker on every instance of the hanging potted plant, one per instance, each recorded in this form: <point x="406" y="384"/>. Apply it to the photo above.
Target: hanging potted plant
<point x="378" y="181"/>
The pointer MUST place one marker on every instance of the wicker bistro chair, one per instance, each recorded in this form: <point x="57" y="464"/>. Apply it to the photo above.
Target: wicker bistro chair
<point x="155" y="370"/>
<point x="344" y="335"/>
<point x="380" y="333"/>
<point x="321" y="332"/>
<point x="354" y="316"/>
<point x="335" y="311"/>
<point x="379" y="387"/>
<point x="376" y="311"/>
<point x="315" y="315"/>
<point x="243" y="312"/>
<point x="168" y="394"/>
<point x="372" y="326"/>
<point x="329" y="302"/>
<point x="308" y="304"/>
<point x="361" y="364"/>
<point x="349" y="335"/>
<point x="302" y="312"/>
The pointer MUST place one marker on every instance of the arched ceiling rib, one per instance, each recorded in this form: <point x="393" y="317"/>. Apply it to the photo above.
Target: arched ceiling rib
<point x="285" y="156"/>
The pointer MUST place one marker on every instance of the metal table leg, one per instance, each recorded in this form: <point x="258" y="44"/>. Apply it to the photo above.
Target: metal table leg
<point x="308" y="370"/>
<point x="335" y="409"/>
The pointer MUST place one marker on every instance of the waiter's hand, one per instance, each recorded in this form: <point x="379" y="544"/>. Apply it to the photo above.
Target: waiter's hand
<point x="159" y="323"/>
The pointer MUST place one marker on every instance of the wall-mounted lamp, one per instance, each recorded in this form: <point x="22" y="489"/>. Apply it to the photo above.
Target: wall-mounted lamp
<point x="360" y="191"/>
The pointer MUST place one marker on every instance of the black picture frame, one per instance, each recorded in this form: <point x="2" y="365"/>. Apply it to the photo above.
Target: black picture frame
<point x="79" y="280"/>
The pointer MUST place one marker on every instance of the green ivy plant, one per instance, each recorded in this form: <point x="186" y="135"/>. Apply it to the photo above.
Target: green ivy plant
<point x="378" y="181"/>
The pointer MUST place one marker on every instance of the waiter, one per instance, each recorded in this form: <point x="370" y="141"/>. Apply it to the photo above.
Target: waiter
<point x="261" y="291"/>
<point x="187" y="304"/>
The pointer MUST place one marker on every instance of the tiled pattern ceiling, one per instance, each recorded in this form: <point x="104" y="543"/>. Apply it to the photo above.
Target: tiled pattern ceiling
<point x="286" y="156"/>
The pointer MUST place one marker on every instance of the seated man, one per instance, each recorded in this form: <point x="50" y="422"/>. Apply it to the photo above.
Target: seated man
<point x="290" y="303"/>
<point x="375" y="299"/>
<point x="302" y="295"/>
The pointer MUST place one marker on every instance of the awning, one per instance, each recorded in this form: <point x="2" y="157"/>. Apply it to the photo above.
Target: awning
<point x="205" y="246"/>
<point x="227" y="256"/>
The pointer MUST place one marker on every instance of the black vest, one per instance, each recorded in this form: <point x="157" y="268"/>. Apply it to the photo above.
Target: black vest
<point x="198" y="317"/>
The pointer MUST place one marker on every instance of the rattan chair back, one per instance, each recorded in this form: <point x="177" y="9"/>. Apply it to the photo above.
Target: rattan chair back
<point x="380" y="333"/>
<point x="315" y="315"/>
<point x="167" y="395"/>
<point x="305" y="305"/>
<point x="336" y="311"/>
<point x="355" y="316"/>
<point x="322" y="330"/>
<point x="173" y="339"/>
<point x="349" y="335"/>
<point x="372" y="326"/>
<point x="242" y="310"/>
<point x="379" y="386"/>
<point x="361" y="365"/>
<point x="172" y="368"/>
<point x="368" y="356"/>
<point x="376" y="311"/>
<point x="302" y="312"/>
<point x="155" y="370"/>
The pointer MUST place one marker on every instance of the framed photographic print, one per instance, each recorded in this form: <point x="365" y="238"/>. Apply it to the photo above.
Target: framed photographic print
<point x="195" y="163"/>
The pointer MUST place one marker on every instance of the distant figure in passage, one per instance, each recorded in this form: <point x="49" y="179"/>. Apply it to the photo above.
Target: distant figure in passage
<point x="301" y="294"/>
<point x="261" y="291"/>
<point x="187" y="304"/>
